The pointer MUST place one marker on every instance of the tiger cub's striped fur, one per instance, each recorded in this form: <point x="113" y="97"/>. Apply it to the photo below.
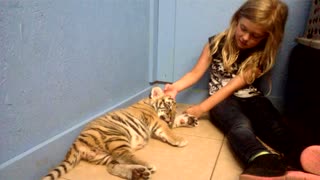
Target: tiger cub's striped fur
<point x="111" y="139"/>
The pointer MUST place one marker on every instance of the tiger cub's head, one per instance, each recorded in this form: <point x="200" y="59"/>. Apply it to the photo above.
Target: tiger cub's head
<point x="164" y="105"/>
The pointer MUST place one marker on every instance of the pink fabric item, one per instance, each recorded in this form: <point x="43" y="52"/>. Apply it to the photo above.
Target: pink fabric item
<point x="310" y="159"/>
<point x="299" y="175"/>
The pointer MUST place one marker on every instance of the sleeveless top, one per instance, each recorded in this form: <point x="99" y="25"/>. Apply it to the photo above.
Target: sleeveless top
<point x="219" y="77"/>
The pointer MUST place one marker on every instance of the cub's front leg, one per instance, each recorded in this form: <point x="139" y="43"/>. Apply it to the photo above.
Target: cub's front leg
<point x="184" y="120"/>
<point x="164" y="133"/>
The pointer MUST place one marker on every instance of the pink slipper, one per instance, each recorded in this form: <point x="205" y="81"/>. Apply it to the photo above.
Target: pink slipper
<point x="299" y="175"/>
<point x="310" y="159"/>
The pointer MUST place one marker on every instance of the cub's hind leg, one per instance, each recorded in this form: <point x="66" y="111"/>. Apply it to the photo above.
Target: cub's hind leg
<point x="164" y="133"/>
<point x="129" y="171"/>
<point x="126" y="165"/>
<point x="119" y="167"/>
<point x="119" y="163"/>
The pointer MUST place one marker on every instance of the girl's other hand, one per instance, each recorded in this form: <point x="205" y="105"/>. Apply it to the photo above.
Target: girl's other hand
<point x="195" y="110"/>
<point x="170" y="90"/>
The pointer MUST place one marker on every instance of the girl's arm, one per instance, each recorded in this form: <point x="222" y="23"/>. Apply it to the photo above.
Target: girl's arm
<point x="192" y="76"/>
<point x="233" y="85"/>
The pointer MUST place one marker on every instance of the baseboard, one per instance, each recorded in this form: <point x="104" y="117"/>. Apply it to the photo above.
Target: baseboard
<point x="35" y="163"/>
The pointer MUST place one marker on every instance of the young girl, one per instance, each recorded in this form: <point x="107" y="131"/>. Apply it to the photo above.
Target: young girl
<point x="236" y="58"/>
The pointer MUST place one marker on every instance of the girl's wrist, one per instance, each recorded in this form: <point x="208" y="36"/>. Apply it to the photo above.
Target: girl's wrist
<point x="202" y="108"/>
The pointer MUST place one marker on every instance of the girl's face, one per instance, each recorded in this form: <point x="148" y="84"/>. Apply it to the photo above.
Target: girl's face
<point x="248" y="34"/>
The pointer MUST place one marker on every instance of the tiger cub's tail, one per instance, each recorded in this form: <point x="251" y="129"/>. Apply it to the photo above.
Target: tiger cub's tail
<point x="72" y="159"/>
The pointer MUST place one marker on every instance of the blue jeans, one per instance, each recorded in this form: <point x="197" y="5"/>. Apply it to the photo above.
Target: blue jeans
<point x="244" y="119"/>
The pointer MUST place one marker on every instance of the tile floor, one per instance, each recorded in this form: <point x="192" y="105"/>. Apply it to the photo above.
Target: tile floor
<point x="206" y="157"/>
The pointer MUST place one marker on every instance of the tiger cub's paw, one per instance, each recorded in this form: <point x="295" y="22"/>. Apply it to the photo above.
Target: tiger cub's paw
<point x="151" y="168"/>
<point x="141" y="172"/>
<point x="184" y="120"/>
<point x="181" y="142"/>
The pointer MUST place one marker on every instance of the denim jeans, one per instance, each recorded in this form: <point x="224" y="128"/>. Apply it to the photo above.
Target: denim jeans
<point x="244" y="119"/>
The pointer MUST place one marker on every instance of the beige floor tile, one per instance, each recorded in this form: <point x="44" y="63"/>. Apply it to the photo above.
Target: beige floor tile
<point x="227" y="167"/>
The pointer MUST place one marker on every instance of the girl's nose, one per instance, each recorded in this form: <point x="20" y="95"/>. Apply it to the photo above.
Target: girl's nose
<point x="246" y="36"/>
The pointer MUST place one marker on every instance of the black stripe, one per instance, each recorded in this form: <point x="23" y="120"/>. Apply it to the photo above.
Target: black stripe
<point x="64" y="168"/>
<point x="113" y="139"/>
<point x="93" y="137"/>
<point x="100" y="131"/>
<point x="123" y="146"/>
<point x="51" y="176"/>
<point x="155" y="127"/>
<point x="132" y="123"/>
<point x="111" y="132"/>
<point x="84" y="142"/>
<point x="70" y="164"/>
<point x="75" y="147"/>
<point x="58" y="171"/>
<point x="145" y="119"/>
<point x="104" y="160"/>
<point x="123" y="122"/>
<point x="117" y="118"/>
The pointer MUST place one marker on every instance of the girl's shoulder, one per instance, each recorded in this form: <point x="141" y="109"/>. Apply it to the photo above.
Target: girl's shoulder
<point x="216" y="43"/>
<point x="213" y="40"/>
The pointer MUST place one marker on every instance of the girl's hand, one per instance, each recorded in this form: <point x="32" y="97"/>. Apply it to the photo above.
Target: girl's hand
<point x="170" y="90"/>
<point x="195" y="110"/>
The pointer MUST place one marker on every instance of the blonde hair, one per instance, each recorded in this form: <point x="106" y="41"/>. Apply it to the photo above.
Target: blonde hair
<point x="272" y="16"/>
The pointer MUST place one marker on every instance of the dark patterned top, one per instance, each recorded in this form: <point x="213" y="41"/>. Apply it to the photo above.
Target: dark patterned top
<point x="219" y="77"/>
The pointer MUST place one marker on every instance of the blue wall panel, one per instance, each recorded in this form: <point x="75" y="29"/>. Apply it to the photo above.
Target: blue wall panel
<point x="166" y="40"/>
<point x="62" y="63"/>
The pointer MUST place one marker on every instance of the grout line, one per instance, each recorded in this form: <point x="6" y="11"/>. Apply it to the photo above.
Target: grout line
<point x="215" y="164"/>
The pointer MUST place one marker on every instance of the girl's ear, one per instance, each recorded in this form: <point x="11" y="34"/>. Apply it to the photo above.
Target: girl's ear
<point x="156" y="92"/>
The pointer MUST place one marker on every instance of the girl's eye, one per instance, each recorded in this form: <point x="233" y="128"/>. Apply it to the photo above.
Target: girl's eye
<point x="243" y="28"/>
<point x="256" y="36"/>
<point x="253" y="35"/>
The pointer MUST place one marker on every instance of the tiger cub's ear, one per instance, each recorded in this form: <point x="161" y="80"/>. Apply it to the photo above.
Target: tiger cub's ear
<point x="156" y="93"/>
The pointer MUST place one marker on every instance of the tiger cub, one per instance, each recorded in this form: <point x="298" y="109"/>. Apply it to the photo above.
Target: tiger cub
<point x="111" y="139"/>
